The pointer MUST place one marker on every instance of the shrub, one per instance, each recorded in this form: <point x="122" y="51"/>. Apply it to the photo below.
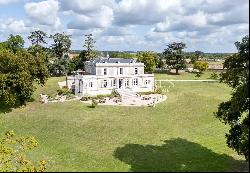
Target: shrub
<point x="62" y="91"/>
<point x="94" y="103"/>
<point x="214" y="76"/>
<point x="101" y="96"/>
<point x="64" y="87"/>
<point x="70" y="96"/>
<point x="51" y="97"/>
<point x="114" y="93"/>
<point x="201" y="66"/>
<point x="158" y="90"/>
<point x="65" y="91"/>
<point x="198" y="74"/>
<point x="14" y="154"/>
<point x="146" y="93"/>
<point x="85" y="98"/>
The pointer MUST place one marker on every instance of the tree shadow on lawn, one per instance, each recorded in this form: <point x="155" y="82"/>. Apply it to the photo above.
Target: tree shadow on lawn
<point x="166" y="72"/>
<point x="4" y="108"/>
<point x="175" y="155"/>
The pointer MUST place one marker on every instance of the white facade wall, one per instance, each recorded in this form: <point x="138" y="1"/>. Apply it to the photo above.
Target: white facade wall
<point x="94" y="85"/>
<point x="103" y="76"/>
<point x="114" y="69"/>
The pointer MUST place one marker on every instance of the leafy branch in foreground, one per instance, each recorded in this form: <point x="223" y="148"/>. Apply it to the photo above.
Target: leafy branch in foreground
<point x="13" y="154"/>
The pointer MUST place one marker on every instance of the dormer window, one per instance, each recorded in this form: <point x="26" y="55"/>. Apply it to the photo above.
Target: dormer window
<point x="136" y="70"/>
<point x="121" y="70"/>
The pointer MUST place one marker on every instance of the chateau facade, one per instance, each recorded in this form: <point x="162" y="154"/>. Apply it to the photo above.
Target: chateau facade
<point x="103" y="75"/>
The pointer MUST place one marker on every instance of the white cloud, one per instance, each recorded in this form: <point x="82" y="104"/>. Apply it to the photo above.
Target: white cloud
<point x="192" y="22"/>
<point x="196" y="12"/>
<point x="145" y="12"/>
<point x="87" y="14"/>
<point x="85" y="6"/>
<point x="10" y="25"/>
<point x="101" y="19"/>
<point x="44" y="12"/>
<point x="215" y="39"/>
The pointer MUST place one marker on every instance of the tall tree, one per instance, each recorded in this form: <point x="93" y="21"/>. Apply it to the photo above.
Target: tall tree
<point x="148" y="58"/>
<point x="38" y="37"/>
<point x="61" y="45"/>
<point x="18" y="72"/>
<point x="89" y="45"/>
<point x="60" y="49"/>
<point x="14" y="43"/>
<point x="82" y="58"/>
<point x="235" y="112"/>
<point x="37" y="49"/>
<point x="174" y="56"/>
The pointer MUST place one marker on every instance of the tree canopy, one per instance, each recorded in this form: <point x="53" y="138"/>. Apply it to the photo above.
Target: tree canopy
<point x="235" y="112"/>
<point x="14" y="43"/>
<point x="148" y="58"/>
<point x="174" y="56"/>
<point x="89" y="45"/>
<point x="61" y="45"/>
<point x="201" y="66"/>
<point x="60" y="49"/>
<point x="18" y="72"/>
<point x="38" y="37"/>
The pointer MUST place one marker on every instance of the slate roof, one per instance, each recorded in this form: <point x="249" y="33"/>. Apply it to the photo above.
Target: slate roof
<point x="111" y="60"/>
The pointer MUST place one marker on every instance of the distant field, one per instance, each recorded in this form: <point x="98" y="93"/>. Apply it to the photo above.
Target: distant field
<point x="180" y="134"/>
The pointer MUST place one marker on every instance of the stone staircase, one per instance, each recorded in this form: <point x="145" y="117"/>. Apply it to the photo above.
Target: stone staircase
<point x="127" y="93"/>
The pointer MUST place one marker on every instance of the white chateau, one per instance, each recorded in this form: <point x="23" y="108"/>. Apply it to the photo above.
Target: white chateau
<point x="103" y="75"/>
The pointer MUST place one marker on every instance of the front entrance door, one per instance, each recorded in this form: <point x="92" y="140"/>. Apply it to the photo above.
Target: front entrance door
<point x="120" y="83"/>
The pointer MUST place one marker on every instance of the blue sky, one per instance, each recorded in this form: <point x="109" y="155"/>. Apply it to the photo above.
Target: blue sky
<point x="206" y="25"/>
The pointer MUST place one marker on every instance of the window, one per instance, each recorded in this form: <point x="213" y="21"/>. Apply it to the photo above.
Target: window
<point x="105" y="84"/>
<point x="114" y="83"/>
<point x="135" y="82"/>
<point x="90" y="84"/>
<point x="136" y="70"/>
<point x="121" y="70"/>
<point x="147" y="82"/>
<point x="126" y="82"/>
<point x="105" y="71"/>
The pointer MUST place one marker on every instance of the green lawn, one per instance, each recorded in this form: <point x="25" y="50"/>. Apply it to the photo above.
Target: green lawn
<point x="180" y="134"/>
<point x="182" y="76"/>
